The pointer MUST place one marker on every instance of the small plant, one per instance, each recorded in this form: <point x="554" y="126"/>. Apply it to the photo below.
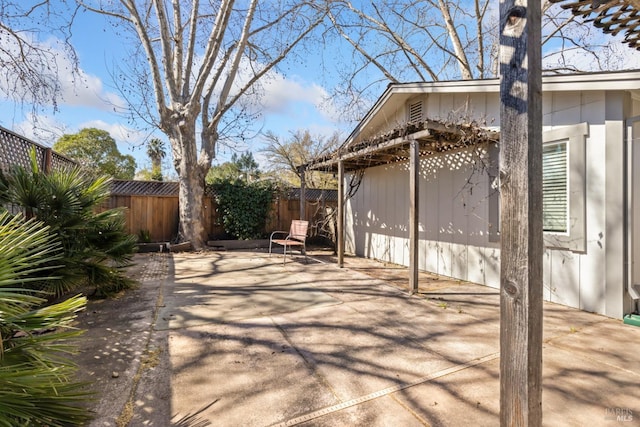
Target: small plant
<point x="443" y="305"/>
<point x="573" y="330"/>
<point x="144" y="236"/>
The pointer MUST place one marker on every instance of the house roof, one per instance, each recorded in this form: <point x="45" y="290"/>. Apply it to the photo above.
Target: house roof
<point x="396" y="95"/>
<point x="612" y="16"/>
<point x="365" y="147"/>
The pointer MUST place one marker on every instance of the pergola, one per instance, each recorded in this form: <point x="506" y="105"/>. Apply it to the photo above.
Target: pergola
<point x="520" y="158"/>
<point x="406" y="143"/>
<point x="612" y="16"/>
<point x="432" y="136"/>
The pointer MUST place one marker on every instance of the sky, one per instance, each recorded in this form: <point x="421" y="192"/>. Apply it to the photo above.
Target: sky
<point x="292" y="103"/>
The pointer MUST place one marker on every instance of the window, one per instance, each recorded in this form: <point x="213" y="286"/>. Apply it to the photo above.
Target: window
<point x="555" y="207"/>
<point x="564" y="187"/>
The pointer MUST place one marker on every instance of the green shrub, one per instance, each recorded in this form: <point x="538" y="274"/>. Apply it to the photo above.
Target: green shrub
<point x="96" y="247"/>
<point x="36" y="386"/>
<point x="243" y="207"/>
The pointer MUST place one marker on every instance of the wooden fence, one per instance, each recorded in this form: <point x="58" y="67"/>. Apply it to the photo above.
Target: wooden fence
<point x="159" y="217"/>
<point x="152" y="207"/>
<point x="155" y="215"/>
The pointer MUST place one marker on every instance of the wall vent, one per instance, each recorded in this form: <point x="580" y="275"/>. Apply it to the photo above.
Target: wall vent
<point x="415" y="112"/>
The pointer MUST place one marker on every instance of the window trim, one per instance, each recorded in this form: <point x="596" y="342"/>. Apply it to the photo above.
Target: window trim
<point x="575" y="237"/>
<point x="555" y="156"/>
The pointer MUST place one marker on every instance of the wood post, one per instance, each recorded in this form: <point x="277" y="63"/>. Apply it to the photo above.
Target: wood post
<point x="414" y="211"/>
<point x="340" y="220"/>
<point x="48" y="161"/>
<point x="521" y="215"/>
<point x="303" y="194"/>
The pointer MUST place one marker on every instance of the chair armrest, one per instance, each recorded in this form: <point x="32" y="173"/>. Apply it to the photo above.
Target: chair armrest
<point x="284" y="233"/>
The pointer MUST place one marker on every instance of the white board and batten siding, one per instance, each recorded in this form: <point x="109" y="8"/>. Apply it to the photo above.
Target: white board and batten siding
<point x="583" y="268"/>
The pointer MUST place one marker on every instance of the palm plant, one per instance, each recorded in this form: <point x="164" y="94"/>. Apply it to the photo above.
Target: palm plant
<point x="36" y="386"/>
<point x="96" y="247"/>
<point x="156" y="152"/>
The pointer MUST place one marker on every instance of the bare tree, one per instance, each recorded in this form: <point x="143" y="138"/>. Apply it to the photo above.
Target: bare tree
<point x="286" y="156"/>
<point x="197" y="64"/>
<point x="408" y="41"/>
<point x="29" y="65"/>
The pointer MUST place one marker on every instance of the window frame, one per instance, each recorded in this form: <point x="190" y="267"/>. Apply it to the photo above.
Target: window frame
<point x="575" y="136"/>
<point x="557" y="179"/>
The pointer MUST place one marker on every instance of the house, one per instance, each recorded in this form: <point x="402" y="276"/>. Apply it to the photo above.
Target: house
<point x="591" y="184"/>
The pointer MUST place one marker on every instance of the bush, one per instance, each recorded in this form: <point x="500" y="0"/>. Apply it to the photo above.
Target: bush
<point x="243" y="207"/>
<point x="96" y="247"/>
<point x="36" y="385"/>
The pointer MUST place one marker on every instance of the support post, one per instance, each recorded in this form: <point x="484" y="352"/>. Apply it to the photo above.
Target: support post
<point x="521" y="216"/>
<point x="48" y="161"/>
<point x="303" y="194"/>
<point x="414" y="211"/>
<point x="340" y="220"/>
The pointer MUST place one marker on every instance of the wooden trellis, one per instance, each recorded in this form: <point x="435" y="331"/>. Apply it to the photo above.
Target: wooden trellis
<point x="612" y="16"/>
<point x="16" y="150"/>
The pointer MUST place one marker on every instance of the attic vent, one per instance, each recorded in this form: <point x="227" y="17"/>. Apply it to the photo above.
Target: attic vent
<point x="415" y="112"/>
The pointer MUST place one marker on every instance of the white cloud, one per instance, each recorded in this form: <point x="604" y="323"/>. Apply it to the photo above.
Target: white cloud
<point x="87" y="90"/>
<point x="118" y="131"/>
<point x="76" y="86"/>
<point x="42" y="129"/>
<point x="46" y="130"/>
<point x="281" y="92"/>
<point x="284" y="94"/>
<point x="79" y="88"/>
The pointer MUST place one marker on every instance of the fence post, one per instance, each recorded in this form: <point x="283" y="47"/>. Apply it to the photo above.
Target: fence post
<point x="48" y="156"/>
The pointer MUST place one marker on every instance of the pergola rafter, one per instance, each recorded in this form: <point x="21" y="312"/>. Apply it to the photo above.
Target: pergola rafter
<point x="612" y="16"/>
<point x="432" y="137"/>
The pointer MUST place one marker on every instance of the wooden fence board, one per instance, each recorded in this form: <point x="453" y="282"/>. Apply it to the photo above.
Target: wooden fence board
<point x="159" y="215"/>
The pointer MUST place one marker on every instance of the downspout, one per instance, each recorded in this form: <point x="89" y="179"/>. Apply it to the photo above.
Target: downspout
<point x="629" y="286"/>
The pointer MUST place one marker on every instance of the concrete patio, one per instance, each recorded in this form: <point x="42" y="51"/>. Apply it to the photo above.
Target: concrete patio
<point x="240" y="340"/>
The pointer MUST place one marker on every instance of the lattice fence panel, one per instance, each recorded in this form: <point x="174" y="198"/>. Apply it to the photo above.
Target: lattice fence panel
<point x="16" y="150"/>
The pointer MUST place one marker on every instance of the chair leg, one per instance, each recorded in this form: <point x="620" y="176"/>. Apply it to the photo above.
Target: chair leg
<point x="284" y="259"/>
<point x="270" y="243"/>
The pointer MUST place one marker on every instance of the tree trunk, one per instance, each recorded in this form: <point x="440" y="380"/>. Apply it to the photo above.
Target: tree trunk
<point x="191" y="194"/>
<point x="191" y="187"/>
